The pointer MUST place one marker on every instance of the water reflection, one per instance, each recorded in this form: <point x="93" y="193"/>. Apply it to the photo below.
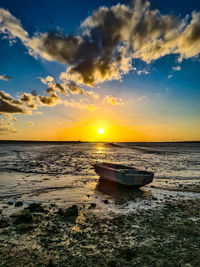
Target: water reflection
<point x="121" y="194"/>
<point x="100" y="148"/>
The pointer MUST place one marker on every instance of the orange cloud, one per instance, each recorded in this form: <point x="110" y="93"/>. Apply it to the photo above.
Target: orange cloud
<point x="108" y="99"/>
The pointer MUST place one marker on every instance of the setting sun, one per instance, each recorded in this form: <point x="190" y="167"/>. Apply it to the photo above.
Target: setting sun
<point x="101" y="131"/>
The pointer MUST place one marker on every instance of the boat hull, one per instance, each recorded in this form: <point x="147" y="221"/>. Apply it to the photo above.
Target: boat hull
<point x="130" y="177"/>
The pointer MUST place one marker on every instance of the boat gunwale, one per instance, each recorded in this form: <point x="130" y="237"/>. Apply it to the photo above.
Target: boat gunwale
<point x="104" y="166"/>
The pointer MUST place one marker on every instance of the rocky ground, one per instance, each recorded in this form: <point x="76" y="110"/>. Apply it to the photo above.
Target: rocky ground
<point x="79" y="236"/>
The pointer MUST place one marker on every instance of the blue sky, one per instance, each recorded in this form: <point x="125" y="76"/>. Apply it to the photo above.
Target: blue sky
<point x="161" y="91"/>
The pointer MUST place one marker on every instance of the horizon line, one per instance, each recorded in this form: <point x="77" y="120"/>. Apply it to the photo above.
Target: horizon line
<point x="81" y="141"/>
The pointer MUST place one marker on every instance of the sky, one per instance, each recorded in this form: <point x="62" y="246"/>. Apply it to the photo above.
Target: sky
<point x="70" y="68"/>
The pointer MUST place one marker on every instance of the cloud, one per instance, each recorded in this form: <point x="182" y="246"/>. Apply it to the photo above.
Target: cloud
<point x="50" y="100"/>
<point x="60" y="88"/>
<point x="80" y="105"/>
<point x="4" y="130"/>
<point x="112" y="37"/>
<point x="29" y="100"/>
<point x="33" y="100"/>
<point x="5" y="77"/>
<point x="30" y="123"/>
<point x="176" y="68"/>
<point x="11" y="27"/>
<point x="142" y="71"/>
<point x="9" y="105"/>
<point x="6" y="127"/>
<point x="188" y="41"/>
<point x="57" y="87"/>
<point x="111" y="100"/>
<point x="74" y="88"/>
<point x="109" y="39"/>
<point x="108" y="43"/>
<point x="48" y="80"/>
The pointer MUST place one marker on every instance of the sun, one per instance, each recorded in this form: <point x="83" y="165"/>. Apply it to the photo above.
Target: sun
<point x="100" y="131"/>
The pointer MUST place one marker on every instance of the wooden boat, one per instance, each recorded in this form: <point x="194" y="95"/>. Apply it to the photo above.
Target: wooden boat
<point x="123" y="174"/>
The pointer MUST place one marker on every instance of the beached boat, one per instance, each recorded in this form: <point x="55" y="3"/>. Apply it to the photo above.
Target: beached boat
<point x="123" y="174"/>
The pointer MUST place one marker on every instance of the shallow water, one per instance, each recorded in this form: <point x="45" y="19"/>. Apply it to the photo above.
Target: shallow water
<point x="62" y="173"/>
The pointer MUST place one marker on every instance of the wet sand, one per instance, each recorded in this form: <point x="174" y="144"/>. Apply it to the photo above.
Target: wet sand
<point x="54" y="210"/>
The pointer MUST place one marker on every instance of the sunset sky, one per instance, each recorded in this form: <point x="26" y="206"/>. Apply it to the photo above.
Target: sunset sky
<point x="69" y="68"/>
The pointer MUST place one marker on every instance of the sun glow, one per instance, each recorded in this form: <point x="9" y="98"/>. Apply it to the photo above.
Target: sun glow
<point x="101" y="131"/>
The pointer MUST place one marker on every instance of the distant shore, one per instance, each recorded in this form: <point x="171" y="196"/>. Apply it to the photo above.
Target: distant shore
<point x="77" y="142"/>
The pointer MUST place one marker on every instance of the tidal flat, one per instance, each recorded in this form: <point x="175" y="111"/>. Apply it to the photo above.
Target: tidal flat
<point x="55" y="211"/>
<point x="79" y="236"/>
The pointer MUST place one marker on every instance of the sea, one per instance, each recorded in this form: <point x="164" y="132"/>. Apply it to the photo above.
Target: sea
<point x="62" y="174"/>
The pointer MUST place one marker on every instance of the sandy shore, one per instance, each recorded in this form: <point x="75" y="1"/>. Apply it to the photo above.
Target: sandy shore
<point x="168" y="235"/>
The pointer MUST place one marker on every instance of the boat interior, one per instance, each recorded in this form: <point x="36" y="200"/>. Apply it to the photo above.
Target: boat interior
<point x="117" y="166"/>
<point x="121" y="168"/>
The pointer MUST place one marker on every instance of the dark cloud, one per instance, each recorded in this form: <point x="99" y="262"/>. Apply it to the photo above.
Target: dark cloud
<point x="60" y="88"/>
<point x="112" y="37"/>
<point x="29" y="100"/>
<point x="74" y="88"/>
<point x="47" y="100"/>
<point x="50" y="100"/>
<point x="108" y="41"/>
<point x="10" y="105"/>
<point x="33" y="100"/>
<point x="62" y="48"/>
<point x="94" y="56"/>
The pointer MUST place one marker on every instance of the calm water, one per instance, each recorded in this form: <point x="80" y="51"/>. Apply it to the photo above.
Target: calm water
<point x="63" y="173"/>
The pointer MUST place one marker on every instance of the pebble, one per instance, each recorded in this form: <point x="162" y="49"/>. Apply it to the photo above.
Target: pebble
<point x="18" y="203"/>
<point x="35" y="207"/>
<point x="70" y="213"/>
<point x="106" y="201"/>
<point x="92" y="206"/>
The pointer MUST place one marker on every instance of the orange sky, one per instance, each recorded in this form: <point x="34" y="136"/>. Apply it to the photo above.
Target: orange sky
<point x="87" y="130"/>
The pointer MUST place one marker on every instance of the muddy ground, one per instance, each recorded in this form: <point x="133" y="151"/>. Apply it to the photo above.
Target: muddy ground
<point x="168" y="235"/>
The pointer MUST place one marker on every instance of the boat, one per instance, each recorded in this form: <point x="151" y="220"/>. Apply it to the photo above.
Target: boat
<point x="124" y="175"/>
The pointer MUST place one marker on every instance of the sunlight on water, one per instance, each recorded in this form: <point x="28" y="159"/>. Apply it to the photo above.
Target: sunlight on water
<point x="100" y="149"/>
